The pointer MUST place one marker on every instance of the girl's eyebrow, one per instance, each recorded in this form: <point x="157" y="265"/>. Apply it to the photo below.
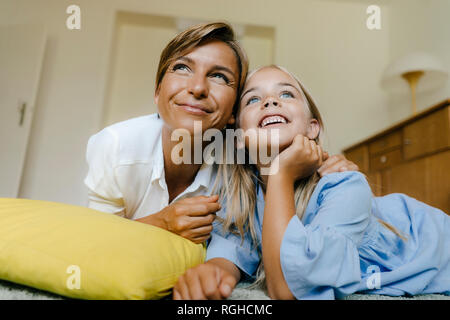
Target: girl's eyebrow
<point x="249" y="90"/>
<point x="279" y="84"/>
<point x="284" y="84"/>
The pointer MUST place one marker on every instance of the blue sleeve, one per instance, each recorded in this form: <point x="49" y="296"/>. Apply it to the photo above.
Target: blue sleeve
<point x="320" y="259"/>
<point x="242" y="252"/>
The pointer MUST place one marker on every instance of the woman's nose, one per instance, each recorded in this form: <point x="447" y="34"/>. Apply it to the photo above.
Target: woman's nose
<point x="270" y="102"/>
<point x="198" y="86"/>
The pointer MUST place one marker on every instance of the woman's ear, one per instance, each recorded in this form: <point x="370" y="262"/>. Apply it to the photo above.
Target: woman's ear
<point x="313" y="129"/>
<point x="156" y="97"/>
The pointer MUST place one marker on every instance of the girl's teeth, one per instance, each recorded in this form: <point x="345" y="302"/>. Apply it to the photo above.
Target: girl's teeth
<point x="274" y="119"/>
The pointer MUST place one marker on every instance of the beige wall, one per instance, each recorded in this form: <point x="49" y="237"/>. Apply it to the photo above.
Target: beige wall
<point x="420" y="26"/>
<point x="132" y="71"/>
<point x="325" y="42"/>
<point x="70" y="95"/>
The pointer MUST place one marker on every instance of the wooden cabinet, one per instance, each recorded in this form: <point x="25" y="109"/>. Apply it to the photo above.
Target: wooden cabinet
<point x="411" y="157"/>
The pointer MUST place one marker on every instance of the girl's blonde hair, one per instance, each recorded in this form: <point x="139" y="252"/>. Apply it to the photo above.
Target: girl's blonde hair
<point x="240" y="181"/>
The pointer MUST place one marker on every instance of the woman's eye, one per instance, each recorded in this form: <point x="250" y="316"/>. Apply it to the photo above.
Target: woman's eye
<point x="181" y="67"/>
<point x="220" y="76"/>
<point x="286" y="94"/>
<point x="252" y="100"/>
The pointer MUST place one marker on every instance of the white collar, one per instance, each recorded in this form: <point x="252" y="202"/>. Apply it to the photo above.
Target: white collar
<point x="203" y="177"/>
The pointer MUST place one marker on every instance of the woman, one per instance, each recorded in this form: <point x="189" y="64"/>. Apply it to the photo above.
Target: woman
<point x="319" y="238"/>
<point x="131" y="173"/>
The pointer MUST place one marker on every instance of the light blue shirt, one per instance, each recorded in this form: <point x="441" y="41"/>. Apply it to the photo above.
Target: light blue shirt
<point x="339" y="247"/>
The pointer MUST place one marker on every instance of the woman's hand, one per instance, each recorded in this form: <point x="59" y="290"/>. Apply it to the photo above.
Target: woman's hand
<point x="190" y="218"/>
<point x="214" y="280"/>
<point x="301" y="159"/>
<point x="336" y="163"/>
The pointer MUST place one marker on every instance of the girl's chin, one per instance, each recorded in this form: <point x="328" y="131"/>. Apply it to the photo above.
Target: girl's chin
<point x="268" y="149"/>
<point x="269" y="142"/>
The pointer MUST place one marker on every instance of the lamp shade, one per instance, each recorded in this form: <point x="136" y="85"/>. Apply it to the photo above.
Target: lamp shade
<point x="434" y="73"/>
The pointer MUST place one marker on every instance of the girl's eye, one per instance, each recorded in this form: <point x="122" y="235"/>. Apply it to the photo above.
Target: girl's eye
<point x="286" y="94"/>
<point x="221" y="76"/>
<point x="181" y="67"/>
<point x="252" y="100"/>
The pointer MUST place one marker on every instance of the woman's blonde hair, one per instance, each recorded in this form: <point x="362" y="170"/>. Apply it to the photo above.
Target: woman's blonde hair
<point x="240" y="181"/>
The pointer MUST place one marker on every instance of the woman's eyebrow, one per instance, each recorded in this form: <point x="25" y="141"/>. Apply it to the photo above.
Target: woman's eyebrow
<point x="187" y="59"/>
<point x="222" y="68"/>
<point x="214" y="67"/>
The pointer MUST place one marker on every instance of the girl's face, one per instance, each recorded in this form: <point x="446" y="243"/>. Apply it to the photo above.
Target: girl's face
<point x="199" y="86"/>
<point x="272" y="99"/>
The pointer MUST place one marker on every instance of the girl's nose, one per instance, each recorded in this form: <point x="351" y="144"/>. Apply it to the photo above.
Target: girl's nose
<point x="198" y="86"/>
<point x="269" y="102"/>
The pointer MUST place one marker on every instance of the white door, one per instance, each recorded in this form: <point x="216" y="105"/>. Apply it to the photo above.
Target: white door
<point x="21" y="57"/>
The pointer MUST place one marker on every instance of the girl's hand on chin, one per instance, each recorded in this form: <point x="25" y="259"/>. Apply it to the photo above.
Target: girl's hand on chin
<point x="301" y="159"/>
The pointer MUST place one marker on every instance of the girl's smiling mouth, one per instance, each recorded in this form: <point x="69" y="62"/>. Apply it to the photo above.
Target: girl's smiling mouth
<point x="272" y="120"/>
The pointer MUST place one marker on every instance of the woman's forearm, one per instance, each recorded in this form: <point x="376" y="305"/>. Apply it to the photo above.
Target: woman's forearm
<point x="278" y="211"/>
<point x="154" y="220"/>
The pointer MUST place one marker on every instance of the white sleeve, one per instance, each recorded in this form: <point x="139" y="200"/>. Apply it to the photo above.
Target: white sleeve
<point x="103" y="191"/>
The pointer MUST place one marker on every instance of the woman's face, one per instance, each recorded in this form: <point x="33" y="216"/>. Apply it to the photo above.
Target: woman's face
<point x="199" y="86"/>
<point x="272" y="99"/>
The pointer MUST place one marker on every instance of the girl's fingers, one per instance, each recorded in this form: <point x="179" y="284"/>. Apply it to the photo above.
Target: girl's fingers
<point x="210" y="284"/>
<point x="313" y="146"/>
<point x="181" y="289"/>
<point x="306" y="143"/>
<point x="320" y="154"/>
<point x="316" y="151"/>
<point x="227" y="283"/>
<point x="299" y="141"/>
<point x="194" y="285"/>
<point x="176" y="295"/>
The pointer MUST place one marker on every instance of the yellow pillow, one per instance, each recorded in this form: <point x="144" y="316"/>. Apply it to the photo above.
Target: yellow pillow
<point x="83" y="253"/>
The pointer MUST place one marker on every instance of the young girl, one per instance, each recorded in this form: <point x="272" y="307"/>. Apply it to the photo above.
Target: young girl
<point x="319" y="238"/>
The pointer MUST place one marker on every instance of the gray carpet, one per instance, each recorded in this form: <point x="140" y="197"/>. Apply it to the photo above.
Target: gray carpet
<point x="12" y="291"/>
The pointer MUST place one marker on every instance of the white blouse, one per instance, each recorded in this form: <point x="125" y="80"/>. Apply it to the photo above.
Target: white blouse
<point x="126" y="170"/>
